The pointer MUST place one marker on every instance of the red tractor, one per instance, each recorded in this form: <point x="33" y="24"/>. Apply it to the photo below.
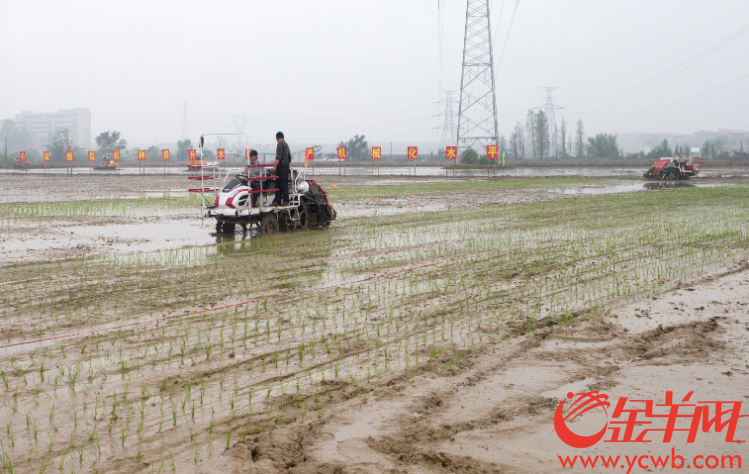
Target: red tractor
<point x="674" y="168"/>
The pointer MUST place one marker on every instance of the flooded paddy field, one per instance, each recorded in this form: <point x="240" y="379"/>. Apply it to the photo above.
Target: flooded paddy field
<point x="434" y="327"/>
<point x="35" y="185"/>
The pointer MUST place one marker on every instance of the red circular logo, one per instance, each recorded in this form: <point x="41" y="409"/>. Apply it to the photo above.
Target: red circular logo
<point x="584" y="403"/>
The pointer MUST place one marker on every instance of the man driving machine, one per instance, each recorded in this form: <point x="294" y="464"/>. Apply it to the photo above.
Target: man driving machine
<point x="254" y="171"/>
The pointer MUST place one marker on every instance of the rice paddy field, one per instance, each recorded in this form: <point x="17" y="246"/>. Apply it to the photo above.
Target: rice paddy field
<point x="434" y="327"/>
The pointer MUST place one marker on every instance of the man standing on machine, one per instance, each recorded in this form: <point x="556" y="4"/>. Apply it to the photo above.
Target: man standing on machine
<point x="283" y="159"/>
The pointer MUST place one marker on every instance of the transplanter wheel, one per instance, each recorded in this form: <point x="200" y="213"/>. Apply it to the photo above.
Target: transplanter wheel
<point x="303" y="223"/>
<point x="322" y="221"/>
<point x="229" y="227"/>
<point x="269" y="224"/>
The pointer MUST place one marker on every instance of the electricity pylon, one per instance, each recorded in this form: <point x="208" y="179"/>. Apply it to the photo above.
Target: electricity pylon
<point x="240" y="121"/>
<point x="448" y="126"/>
<point x="549" y="107"/>
<point x="185" y="131"/>
<point x="477" y="114"/>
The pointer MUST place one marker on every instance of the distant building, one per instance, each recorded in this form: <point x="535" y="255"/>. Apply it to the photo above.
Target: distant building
<point x="42" y="127"/>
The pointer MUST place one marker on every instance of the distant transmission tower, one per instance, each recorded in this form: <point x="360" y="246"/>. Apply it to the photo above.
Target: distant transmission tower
<point x="448" y="126"/>
<point x="477" y="114"/>
<point x="185" y="131"/>
<point x="240" y="122"/>
<point x="549" y="107"/>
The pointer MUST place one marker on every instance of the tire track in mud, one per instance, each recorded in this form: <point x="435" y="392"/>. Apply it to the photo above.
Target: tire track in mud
<point x="418" y="439"/>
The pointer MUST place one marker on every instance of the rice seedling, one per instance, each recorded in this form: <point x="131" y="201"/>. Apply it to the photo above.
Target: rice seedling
<point x="492" y="269"/>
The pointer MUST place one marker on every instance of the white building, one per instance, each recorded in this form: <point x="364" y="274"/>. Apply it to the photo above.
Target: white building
<point x="42" y="127"/>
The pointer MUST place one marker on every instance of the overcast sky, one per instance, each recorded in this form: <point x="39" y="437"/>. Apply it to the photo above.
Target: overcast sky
<point x="322" y="71"/>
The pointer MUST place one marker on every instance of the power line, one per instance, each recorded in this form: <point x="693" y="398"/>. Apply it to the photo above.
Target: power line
<point x="666" y="31"/>
<point x="439" y="41"/>
<point x="679" y="68"/>
<point x="684" y="65"/>
<point x="694" y="96"/>
<point x="507" y="38"/>
<point x="496" y="28"/>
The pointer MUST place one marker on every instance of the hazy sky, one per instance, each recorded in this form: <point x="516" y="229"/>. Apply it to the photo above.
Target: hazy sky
<point x="322" y="71"/>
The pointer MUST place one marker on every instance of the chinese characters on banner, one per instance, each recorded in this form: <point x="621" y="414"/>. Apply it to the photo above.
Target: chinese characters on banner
<point x="220" y="154"/>
<point x="22" y="156"/>
<point x="309" y="154"/>
<point x="492" y="152"/>
<point x="451" y="153"/>
<point x="413" y="154"/>
<point x="45" y="156"/>
<point x="141" y="158"/>
<point x="91" y="156"/>
<point x="376" y="155"/>
<point x="192" y="155"/>
<point x="116" y="155"/>
<point x="342" y="156"/>
<point x="69" y="159"/>
<point x="165" y="154"/>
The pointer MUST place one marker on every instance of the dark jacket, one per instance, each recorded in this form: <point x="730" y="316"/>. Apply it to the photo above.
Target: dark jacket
<point x="283" y="154"/>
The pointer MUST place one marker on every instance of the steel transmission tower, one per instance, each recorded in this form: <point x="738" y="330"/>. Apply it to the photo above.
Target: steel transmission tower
<point x="240" y="121"/>
<point x="477" y="114"/>
<point x="549" y="107"/>
<point x="185" y="131"/>
<point x="448" y="126"/>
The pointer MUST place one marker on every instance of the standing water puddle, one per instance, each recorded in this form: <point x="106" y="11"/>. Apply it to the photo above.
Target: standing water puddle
<point x="628" y="188"/>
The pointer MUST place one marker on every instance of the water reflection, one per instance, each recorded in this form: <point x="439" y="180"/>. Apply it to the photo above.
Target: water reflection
<point x="235" y="242"/>
<point x="658" y="185"/>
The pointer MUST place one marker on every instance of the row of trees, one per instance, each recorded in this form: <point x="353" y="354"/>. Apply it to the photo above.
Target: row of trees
<point x="546" y="140"/>
<point x="542" y="140"/>
<point x="106" y="142"/>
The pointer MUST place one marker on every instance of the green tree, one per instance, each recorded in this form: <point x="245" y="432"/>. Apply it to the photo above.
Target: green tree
<point x="604" y="146"/>
<point x="563" y="136"/>
<point x="579" y="137"/>
<point x="662" y="150"/>
<point x="183" y="146"/>
<point x="153" y="154"/>
<point x="705" y="150"/>
<point x="541" y="134"/>
<point x="530" y="125"/>
<point x="470" y="157"/>
<point x="357" y="148"/>
<point x="110" y="141"/>
<point x="517" y="142"/>
<point x="61" y="143"/>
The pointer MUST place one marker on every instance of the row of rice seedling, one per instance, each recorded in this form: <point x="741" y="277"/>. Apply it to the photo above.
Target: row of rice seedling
<point x="412" y="294"/>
